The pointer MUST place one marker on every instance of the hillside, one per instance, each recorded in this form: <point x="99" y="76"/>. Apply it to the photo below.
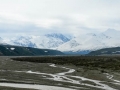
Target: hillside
<point x="106" y="51"/>
<point x="10" y="50"/>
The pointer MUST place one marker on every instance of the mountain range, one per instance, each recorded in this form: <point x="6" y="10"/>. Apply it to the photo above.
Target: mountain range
<point x="82" y="44"/>
<point x="47" y="41"/>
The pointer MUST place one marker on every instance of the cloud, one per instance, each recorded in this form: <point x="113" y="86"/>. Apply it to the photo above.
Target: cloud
<point x="66" y="16"/>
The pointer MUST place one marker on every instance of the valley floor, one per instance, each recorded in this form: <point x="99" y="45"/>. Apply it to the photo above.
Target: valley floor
<point x="19" y="75"/>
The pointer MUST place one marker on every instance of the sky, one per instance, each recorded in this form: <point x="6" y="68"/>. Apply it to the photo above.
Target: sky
<point x="58" y="16"/>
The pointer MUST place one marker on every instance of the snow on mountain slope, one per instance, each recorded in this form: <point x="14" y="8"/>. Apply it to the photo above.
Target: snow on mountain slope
<point x="91" y="42"/>
<point x="58" y="36"/>
<point x="112" y="33"/>
<point x="81" y="43"/>
<point x="47" y="41"/>
<point x="23" y="41"/>
<point x="2" y="41"/>
<point x="66" y="43"/>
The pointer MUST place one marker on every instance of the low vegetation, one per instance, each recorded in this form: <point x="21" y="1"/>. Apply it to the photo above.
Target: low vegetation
<point x="91" y="62"/>
<point x="106" y="51"/>
<point x="11" y="50"/>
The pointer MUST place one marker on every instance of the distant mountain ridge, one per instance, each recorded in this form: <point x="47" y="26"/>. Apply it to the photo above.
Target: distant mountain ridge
<point x="23" y="41"/>
<point x="59" y="36"/>
<point x="47" y="41"/>
<point x="82" y="44"/>
<point x="92" y="42"/>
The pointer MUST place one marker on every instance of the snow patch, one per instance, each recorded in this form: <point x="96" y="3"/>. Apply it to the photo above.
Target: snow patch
<point x="46" y="51"/>
<point x="116" y="52"/>
<point x="104" y="52"/>
<point x="12" y="48"/>
<point x="53" y="65"/>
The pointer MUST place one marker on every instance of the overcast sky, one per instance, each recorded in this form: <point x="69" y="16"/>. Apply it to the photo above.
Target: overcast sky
<point x="63" y="16"/>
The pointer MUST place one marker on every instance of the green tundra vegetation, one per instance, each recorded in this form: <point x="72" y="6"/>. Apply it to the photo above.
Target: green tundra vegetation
<point x="106" y="51"/>
<point x="10" y="50"/>
<point x="91" y="62"/>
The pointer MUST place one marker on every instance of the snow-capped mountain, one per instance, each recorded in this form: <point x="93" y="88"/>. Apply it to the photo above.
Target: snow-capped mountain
<point x="23" y="41"/>
<point x="85" y="42"/>
<point x="58" y="36"/>
<point x="66" y="43"/>
<point x="91" y="42"/>
<point x="2" y="41"/>
<point x="47" y="41"/>
<point x="112" y="33"/>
